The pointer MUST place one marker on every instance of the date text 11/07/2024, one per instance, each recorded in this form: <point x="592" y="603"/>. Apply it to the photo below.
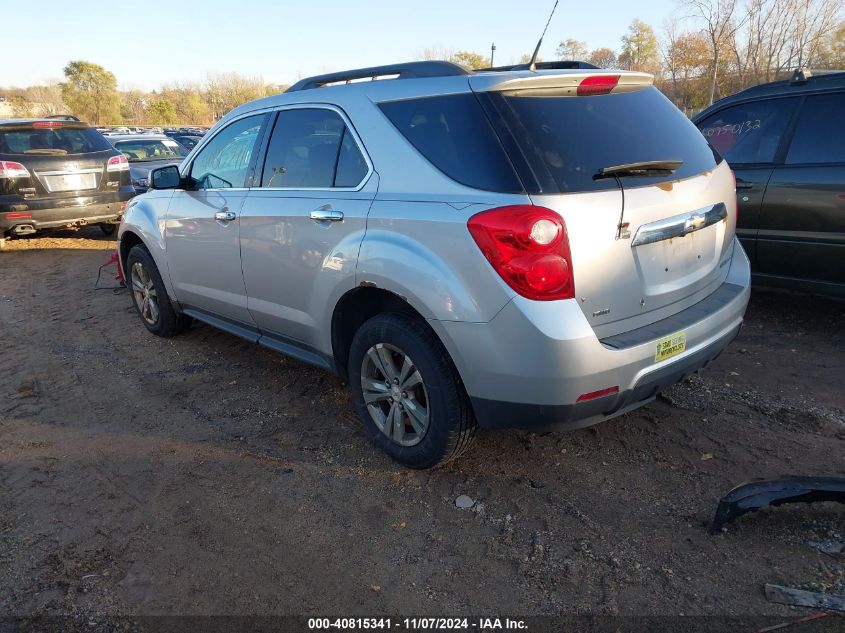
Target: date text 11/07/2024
<point x="417" y="624"/>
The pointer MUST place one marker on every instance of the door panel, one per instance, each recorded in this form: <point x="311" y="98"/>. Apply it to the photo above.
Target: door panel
<point x="750" y="187"/>
<point x="204" y="253"/>
<point x="802" y="226"/>
<point x="750" y="136"/>
<point x="203" y="222"/>
<point x="293" y="264"/>
<point x="302" y="229"/>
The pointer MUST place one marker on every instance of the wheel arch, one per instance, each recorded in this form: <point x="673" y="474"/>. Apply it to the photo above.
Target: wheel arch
<point x="354" y="308"/>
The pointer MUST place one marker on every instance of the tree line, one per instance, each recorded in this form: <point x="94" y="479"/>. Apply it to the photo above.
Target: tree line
<point x="708" y="49"/>
<point x="705" y="50"/>
<point x="90" y="92"/>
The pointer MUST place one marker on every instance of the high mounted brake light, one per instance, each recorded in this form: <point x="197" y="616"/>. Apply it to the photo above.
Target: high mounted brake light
<point x="48" y="124"/>
<point x="597" y="85"/>
<point x="528" y="247"/>
<point x="11" y="169"/>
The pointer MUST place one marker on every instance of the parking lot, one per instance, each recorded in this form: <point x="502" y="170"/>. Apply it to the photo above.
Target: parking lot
<point x="202" y="474"/>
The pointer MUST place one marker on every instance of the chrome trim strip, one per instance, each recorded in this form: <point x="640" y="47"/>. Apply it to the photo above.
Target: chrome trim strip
<point x="679" y="225"/>
<point x="92" y="170"/>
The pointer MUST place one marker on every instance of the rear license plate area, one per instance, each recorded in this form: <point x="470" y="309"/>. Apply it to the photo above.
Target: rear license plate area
<point x="670" y="346"/>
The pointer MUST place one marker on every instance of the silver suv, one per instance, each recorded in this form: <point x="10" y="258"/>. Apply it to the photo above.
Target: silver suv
<point x="503" y="248"/>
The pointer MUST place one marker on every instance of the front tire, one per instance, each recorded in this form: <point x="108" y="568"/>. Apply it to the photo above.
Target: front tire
<point x="149" y="295"/>
<point x="408" y="393"/>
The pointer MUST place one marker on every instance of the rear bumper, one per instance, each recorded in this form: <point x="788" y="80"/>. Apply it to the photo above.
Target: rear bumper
<point x="529" y="365"/>
<point x="502" y="414"/>
<point x="61" y="212"/>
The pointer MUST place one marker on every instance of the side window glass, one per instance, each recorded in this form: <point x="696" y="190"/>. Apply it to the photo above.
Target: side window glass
<point x="351" y="166"/>
<point x="223" y="163"/>
<point x="749" y="132"/>
<point x="820" y="133"/>
<point x="304" y="150"/>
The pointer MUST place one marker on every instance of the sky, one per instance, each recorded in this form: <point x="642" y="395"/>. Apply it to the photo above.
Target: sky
<point x="150" y="43"/>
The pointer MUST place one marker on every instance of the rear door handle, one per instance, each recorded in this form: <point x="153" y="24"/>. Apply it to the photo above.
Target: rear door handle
<point x="326" y="215"/>
<point x="225" y="216"/>
<point x="743" y="184"/>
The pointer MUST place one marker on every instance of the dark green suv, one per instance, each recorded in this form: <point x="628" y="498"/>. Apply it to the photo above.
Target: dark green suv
<point x="786" y="144"/>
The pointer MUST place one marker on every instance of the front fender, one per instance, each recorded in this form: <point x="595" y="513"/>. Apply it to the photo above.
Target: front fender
<point x="144" y="218"/>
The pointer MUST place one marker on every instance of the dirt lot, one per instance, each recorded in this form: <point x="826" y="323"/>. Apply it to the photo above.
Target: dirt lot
<point x="203" y="475"/>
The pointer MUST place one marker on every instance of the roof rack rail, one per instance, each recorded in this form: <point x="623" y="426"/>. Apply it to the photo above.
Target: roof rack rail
<point x="558" y="65"/>
<point x="410" y="70"/>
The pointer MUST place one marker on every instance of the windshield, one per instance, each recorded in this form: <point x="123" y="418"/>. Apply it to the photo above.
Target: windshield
<point x="142" y="150"/>
<point x="566" y="141"/>
<point x="57" y="140"/>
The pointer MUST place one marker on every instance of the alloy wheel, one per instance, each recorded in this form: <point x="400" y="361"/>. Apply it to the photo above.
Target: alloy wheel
<point x="144" y="291"/>
<point x="395" y="394"/>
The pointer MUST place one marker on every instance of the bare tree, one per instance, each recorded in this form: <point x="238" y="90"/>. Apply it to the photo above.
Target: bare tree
<point x="719" y="22"/>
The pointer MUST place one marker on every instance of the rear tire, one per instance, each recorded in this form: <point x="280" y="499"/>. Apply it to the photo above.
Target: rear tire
<point x="149" y="296"/>
<point x="108" y="229"/>
<point x="408" y="393"/>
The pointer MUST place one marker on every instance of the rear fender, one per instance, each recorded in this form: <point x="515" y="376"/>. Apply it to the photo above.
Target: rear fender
<point x="433" y="286"/>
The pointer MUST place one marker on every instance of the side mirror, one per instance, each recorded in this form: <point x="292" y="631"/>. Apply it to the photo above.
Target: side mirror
<point x="167" y="177"/>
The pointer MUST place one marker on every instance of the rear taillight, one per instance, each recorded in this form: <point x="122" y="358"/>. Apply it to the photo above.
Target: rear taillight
<point x="48" y="124"/>
<point x="597" y="85"/>
<point x="118" y="163"/>
<point x="11" y="169"/>
<point x="528" y="247"/>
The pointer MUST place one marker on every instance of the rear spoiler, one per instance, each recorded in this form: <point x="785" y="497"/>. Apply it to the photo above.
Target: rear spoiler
<point x="565" y="84"/>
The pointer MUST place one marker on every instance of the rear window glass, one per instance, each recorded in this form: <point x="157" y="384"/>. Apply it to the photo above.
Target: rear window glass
<point x="567" y="140"/>
<point x="51" y="141"/>
<point x="453" y="133"/>
<point x="151" y="149"/>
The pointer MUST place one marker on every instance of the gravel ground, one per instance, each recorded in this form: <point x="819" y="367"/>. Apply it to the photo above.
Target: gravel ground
<point x="205" y="475"/>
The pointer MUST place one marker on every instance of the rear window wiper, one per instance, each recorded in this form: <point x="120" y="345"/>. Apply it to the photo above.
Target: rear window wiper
<point x="644" y="168"/>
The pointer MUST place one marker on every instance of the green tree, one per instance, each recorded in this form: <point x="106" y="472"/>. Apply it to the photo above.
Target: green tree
<point x="471" y="60"/>
<point x="572" y="49"/>
<point x="162" y="112"/>
<point x="91" y="92"/>
<point x="639" y="48"/>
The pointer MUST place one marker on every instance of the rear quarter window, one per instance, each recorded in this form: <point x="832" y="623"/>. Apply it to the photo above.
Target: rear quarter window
<point x="51" y="141"/>
<point x="453" y="134"/>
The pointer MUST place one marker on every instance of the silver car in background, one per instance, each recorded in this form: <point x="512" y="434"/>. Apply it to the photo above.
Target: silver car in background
<point x="541" y="249"/>
<point x="146" y="152"/>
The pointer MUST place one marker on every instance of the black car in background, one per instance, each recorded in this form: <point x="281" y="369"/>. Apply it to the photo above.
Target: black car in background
<point x="786" y="144"/>
<point x="189" y="141"/>
<point x="59" y="173"/>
